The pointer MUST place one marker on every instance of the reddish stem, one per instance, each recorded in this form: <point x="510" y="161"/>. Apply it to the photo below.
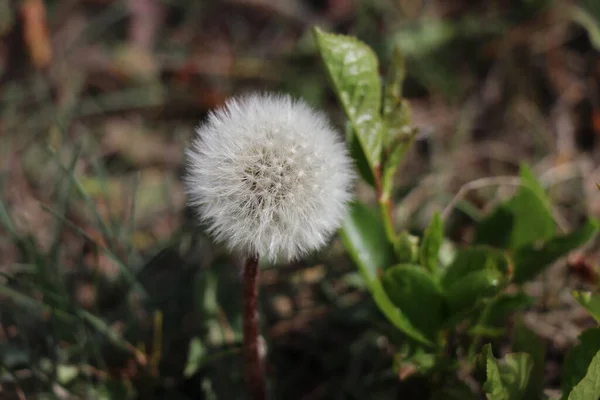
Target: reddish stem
<point x="255" y="377"/>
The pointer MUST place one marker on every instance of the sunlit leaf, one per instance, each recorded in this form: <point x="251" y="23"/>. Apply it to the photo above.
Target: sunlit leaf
<point x="353" y="70"/>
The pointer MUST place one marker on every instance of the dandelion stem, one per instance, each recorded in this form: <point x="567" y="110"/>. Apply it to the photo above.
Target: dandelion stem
<point x="255" y="377"/>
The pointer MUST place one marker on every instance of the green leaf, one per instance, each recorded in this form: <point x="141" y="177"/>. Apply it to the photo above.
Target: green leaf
<point x="578" y="360"/>
<point x="507" y="379"/>
<point x="474" y="259"/>
<point x="590" y="301"/>
<point x="522" y="220"/>
<point x="358" y="155"/>
<point x="432" y="241"/>
<point x="504" y="305"/>
<point x="589" y="387"/>
<point x="364" y="237"/>
<point x="393" y="86"/>
<point x="394" y="155"/>
<point x="396" y="116"/>
<point x="530" y="259"/>
<point x="471" y="289"/>
<point x="195" y="358"/>
<point x="526" y="341"/>
<point x="406" y="247"/>
<point x="353" y="70"/>
<point x="418" y="296"/>
<point x="589" y="20"/>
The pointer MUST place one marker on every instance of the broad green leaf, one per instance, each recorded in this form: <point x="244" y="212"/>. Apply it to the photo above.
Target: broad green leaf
<point x="467" y="292"/>
<point x="474" y="259"/>
<point x="364" y="237"/>
<point x="358" y="155"/>
<point x="530" y="259"/>
<point x="589" y="387"/>
<point x="432" y="241"/>
<point x="526" y="341"/>
<point x="504" y="305"/>
<point x="353" y="69"/>
<point x="418" y="296"/>
<point x="578" y="360"/>
<point x="506" y="379"/>
<point x="522" y="220"/>
<point x="590" y="301"/>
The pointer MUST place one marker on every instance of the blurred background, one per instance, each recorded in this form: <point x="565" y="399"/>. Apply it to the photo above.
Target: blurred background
<point x="108" y="290"/>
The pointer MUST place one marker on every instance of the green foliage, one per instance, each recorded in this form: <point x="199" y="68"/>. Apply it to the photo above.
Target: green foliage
<point x="531" y="259"/>
<point x="365" y="239"/>
<point x="524" y="219"/>
<point x="578" y="360"/>
<point x="590" y="301"/>
<point x="353" y="69"/>
<point x="406" y="283"/>
<point x="427" y="295"/>
<point x="589" y="387"/>
<point x="524" y="226"/>
<point x="432" y="241"/>
<point x="506" y="379"/>
<point x="526" y="341"/>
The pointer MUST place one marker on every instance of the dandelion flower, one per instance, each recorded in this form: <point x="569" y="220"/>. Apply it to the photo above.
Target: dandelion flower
<point x="269" y="176"/>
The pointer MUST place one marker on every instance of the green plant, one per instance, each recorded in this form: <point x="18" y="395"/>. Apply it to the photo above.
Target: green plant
<point x="441" y="309"/>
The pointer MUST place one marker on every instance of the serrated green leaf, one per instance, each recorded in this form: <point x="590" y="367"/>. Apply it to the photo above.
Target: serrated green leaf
<point x="589" y="387"/>
<point x="506" y="379"/>
<point x="364" y="237"/>
<point x="578" y="360"/>
<point x="590" y="301"/>
<point x="353" y="70"/>
<point x="418" y="296"/>
<point x="532" y="259"/>
<point x="522" y="220"/>
<point x="474" y="259"/>
<point x="526" y="341"/>
<point x="432" y="241"/>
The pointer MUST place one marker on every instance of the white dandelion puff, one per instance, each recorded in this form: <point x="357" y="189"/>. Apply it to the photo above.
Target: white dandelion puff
<point x="269" y="176"/>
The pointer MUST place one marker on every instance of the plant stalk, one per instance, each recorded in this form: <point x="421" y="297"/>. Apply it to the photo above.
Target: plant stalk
<point x="255" y="377"/>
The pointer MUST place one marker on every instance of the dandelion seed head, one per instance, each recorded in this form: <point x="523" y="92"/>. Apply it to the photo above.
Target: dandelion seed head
<point x="269" y="176"/>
